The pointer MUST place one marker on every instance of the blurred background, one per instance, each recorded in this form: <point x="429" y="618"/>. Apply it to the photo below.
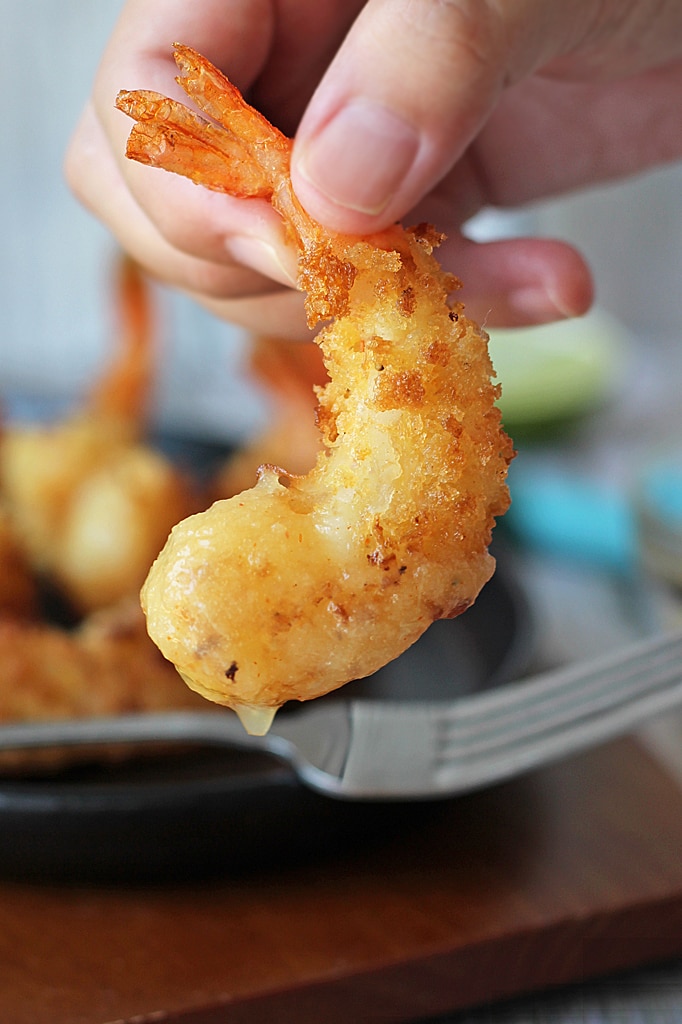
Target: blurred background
<point x="57" y="261"/>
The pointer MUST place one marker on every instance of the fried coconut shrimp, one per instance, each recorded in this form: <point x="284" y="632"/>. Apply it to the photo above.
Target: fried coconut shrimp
<point x="106" y="666"/>
<point x="290" y="589"/>
<point x="89" y="501"/>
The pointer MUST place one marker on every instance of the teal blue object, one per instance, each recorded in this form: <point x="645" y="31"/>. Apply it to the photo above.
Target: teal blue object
<point x="662" y="492"/>
<point x="572" y="516"/>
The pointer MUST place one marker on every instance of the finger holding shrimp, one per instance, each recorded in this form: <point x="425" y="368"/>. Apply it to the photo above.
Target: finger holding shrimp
<point x="196" y="223"/>
<point x="525" y="89"/>
<point x="473" y="104"/>
<point x="232" y="292"/>
<point x="213" y="246"/>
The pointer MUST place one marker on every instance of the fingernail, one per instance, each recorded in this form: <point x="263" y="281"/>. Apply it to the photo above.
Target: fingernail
<point x="360" y="157"/>
<point x="264" y="258"/>
<point x="539" y="305"/>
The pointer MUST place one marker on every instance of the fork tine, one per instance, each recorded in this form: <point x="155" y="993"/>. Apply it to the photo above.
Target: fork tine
<point x="557" y="698"/>
<point x="411" y="750"/>
<point x="615" y="710"/>
<point x="467" y="773"/>
<point x="631" y="659"/>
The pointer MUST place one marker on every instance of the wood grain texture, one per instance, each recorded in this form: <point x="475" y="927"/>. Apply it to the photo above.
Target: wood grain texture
<point x="569" y="872"/>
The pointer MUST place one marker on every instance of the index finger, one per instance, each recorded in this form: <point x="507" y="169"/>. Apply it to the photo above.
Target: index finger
<point x="139" y="55"/>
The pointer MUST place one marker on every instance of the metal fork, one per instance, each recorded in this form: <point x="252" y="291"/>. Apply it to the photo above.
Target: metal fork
<point x="382" y="749"/>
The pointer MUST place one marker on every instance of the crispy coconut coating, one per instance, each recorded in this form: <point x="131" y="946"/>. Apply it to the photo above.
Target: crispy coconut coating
<point x="290" y="589"/>
<point x="107" y="666"/>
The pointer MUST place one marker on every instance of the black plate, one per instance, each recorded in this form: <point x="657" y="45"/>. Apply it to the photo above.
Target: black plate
<point x="210" y="811"/>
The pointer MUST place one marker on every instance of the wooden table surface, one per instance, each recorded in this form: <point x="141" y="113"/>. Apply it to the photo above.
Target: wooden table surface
<point x="568" y="872"/>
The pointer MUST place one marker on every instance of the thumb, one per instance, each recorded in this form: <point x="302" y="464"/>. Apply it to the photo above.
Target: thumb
<point x="409" y="89"/>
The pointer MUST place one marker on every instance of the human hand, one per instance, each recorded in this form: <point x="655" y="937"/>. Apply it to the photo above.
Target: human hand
<point x="448" y="107"/>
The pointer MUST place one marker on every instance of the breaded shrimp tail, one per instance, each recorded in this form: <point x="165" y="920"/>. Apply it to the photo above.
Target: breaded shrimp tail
<point x="292" y="588"/>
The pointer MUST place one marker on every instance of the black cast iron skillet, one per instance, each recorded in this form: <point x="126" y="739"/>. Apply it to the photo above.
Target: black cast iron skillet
<point x="204" y="811"/>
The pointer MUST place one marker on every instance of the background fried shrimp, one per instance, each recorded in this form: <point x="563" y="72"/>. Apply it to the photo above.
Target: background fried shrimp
<point x="106" y="666"/>
<point x="89" y="500"/>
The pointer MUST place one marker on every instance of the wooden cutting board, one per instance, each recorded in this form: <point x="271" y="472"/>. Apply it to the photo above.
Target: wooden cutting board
<point x="563" y="874"/>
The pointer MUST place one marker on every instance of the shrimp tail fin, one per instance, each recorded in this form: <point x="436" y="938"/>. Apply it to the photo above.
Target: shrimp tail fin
<point x="220" y="100"/>
<point x="171" y="136"/>
<point x="237" y="151"/>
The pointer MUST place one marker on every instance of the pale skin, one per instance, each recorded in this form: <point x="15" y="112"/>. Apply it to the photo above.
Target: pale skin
<point x="404" y="110"/>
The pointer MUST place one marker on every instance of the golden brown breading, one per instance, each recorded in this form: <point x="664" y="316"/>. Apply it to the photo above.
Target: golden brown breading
<point x="298" y="585"/>
<point x="106" y="666"/>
